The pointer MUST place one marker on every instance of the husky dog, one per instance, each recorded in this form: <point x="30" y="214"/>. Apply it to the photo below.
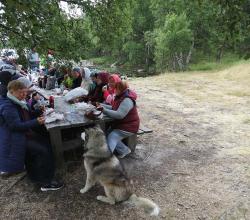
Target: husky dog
<point x="104" y="168"/>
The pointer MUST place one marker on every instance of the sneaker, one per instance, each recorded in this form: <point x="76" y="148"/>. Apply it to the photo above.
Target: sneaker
<point x="53" y="186"/>
<point x="125" y="154"/>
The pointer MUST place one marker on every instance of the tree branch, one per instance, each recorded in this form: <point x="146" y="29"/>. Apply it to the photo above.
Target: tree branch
<point x="13" y="31"/>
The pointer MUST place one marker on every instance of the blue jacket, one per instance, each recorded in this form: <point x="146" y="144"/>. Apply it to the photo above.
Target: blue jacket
<point x="12" y="136"/>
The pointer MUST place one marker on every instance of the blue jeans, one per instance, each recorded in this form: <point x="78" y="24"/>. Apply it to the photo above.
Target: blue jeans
<point x="114" y="140"/>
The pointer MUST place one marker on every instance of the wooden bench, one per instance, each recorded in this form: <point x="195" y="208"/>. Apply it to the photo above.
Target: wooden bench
<point x="131" y="141"/>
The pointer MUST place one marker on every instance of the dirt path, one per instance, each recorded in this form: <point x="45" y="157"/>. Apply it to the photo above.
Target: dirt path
<point x="196" y="164"/>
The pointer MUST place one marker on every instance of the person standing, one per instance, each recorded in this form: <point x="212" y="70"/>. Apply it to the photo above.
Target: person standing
<point x="33" y="59"/>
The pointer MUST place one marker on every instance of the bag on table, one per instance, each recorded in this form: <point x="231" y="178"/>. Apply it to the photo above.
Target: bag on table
<point x="75" y="93"/>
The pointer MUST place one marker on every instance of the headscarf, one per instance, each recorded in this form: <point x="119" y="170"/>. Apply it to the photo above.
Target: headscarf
<point x="104" y="76"/>
<point x="76" y="69"/>
<point x="110" y="94"/>
<point x="116" y="79"/>
<point x="87" y="74"/>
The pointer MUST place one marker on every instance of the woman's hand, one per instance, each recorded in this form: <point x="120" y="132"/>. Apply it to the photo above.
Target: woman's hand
<point x="99" y="108"/>
<point x="42" y="108"/>
<point x="41" y="120"/>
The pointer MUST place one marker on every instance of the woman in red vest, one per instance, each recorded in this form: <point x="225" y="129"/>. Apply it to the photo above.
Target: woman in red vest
<point x="126" y="122"/>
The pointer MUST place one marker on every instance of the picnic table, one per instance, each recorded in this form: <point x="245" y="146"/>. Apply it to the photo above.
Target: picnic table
<point x="73" y="122"/>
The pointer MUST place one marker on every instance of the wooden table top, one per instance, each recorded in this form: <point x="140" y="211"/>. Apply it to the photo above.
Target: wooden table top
<point x="72" y="117"/>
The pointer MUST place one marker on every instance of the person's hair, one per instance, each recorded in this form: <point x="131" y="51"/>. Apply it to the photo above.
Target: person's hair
<point x="15" y="85"/>
<point x="34" y="94"/>
<point x="121" y="86"/>
<point x="76" y="69"/>
<point x="94" y="75"/>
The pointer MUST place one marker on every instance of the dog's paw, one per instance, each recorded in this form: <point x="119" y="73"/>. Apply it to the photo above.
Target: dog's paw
<point x="106" y="200"/>
<point x="100" y="198"/>
<point x="83" y="190"/>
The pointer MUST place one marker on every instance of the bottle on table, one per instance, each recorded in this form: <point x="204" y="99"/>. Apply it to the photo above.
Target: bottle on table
<point x="51" y="101"/>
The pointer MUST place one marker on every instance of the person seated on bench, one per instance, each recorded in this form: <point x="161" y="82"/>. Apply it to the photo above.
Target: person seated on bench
<point x="20" y="147"/>
<point x="126" y="122"/>
<point x="96" y="95"/>
<point x="77" y="77"/>
<point x="93" y="85"/>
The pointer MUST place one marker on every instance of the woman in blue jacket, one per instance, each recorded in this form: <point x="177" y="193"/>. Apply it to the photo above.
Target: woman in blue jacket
<point x="20" y="147"/>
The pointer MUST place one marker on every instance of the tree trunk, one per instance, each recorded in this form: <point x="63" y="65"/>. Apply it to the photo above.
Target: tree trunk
<point x="219" y="54"/>
<point x="179" y="61"/>
<point x="189" y="54"/>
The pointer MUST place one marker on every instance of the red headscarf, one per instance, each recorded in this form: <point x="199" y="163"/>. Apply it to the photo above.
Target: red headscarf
<point x="109" y="94"/>
<point x="116" y="79"/>
<point x="104" y="76"/>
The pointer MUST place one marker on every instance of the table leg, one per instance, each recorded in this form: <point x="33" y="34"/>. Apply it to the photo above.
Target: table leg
<point x="56" y="142"/>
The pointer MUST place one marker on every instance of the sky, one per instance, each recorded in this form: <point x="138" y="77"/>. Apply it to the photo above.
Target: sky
<point x="74" y="12"/>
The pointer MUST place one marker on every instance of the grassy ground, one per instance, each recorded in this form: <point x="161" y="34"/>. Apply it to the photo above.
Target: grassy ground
<point x="207" y="64"/>
<point x="204" y="64"/>
<point x="195" y="164"/>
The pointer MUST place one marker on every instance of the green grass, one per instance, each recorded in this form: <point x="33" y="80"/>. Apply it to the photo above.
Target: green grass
<point x="104" y="60"/>
<point x="206" y="65"/>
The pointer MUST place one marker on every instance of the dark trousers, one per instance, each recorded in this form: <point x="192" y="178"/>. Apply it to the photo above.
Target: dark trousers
<point x="39" y="160"/>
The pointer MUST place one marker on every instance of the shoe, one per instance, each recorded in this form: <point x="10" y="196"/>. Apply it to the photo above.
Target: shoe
<point x="53" y="186"/>
<point x="124" y="155"/>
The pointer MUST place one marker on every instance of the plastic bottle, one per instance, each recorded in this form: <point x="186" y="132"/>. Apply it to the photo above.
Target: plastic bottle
<point x="51" y="101"/>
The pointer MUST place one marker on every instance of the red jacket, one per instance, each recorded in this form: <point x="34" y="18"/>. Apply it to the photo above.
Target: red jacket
<point x="131" y="121"/>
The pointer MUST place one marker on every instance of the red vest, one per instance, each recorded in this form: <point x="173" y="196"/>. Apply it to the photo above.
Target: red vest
<point x="131" y="121"/>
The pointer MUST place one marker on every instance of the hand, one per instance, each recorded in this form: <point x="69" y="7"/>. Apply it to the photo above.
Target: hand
<point x="96" y="104"/>
<point x="41" y="120"/>
<point x="42" y="108"/>
<point x="99" y="108"/>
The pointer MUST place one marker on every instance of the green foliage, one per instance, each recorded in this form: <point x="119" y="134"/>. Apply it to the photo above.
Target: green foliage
<point x="207" y="64"/>
<point x="166" y="34"/>
<point x="173" y="43"/>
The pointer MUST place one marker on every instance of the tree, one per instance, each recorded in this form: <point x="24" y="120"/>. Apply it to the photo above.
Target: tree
<point x="174" y="44"/>
<point x="25" y="23"/>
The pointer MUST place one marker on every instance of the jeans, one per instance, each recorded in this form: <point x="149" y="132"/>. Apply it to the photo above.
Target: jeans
<point x="39" y="161"/>
<point x="114" y="140"/>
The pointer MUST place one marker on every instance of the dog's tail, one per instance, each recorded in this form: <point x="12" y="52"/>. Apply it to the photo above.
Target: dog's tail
<point x="149" y="206"/>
